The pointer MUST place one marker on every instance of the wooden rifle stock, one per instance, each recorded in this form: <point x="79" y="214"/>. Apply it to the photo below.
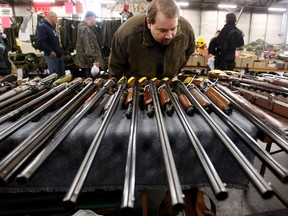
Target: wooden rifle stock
<point x="147" y="96"/>
<point x="129" y="97"/>
<point x="217" y="185"/>
<point x="185" y="103"/>
<point x="163" y="96"/>
<point x="197" y="94"/>
<point x="148" y="101"/>
<point x="261" y="185"/>
<point x="217" y="98"/>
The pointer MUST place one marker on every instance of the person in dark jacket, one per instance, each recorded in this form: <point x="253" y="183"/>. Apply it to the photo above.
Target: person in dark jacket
<point x="48" y="42"/>
<point x="228" y="40"/>
<point x="157" y="44"/>
<point x="5" y="65"/>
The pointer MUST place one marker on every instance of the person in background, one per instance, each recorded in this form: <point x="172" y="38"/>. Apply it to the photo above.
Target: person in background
<point x="5" y="65"/>
<point x="88" y="46"/>
<point x="48" y="42"/>
<point x="229" y="38"/>
<point x="212" y="49"/>
<point x="157" y="44"/>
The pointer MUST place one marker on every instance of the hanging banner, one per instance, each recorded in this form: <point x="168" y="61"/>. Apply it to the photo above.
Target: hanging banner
<point x="42" y="7"/>
<point x="6" y="23"/>
<point x="79" y="8"/>
<point x="6" y="10"/>
<point x="68" y="7"/>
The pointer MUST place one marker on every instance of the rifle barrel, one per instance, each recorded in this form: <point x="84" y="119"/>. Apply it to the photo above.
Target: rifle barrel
<point x="280" y="171"/>
<point x="261" y="185"/>
<point x="282" y="143"/>
<point x="54" y="143"/>
<point x="128" y="196"/>
<point x="216" y="183"/>
<point x="23" y="152"/>
<point x="72" y="194"/>
<point x="71" y="88"/>
<point x="37" y="100"/>
<point x="172" y="175"/>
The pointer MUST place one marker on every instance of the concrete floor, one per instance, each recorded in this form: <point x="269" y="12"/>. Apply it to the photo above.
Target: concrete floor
<point x="244" y="202"/>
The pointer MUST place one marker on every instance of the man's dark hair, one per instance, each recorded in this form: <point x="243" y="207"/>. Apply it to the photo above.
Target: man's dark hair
<point x="168" y="7"/>
<point x="230" y="18"/>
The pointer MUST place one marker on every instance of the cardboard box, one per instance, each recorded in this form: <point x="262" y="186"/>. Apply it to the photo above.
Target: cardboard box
<point x="198" y="60"/>
<point x="259" y="64"/>
<point x="189" y="62"/>
<point x="247" y="62"/>
<point x="238" y="62"/>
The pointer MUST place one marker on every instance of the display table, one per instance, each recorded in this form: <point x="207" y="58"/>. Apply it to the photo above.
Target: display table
<point x="108" y="169"/>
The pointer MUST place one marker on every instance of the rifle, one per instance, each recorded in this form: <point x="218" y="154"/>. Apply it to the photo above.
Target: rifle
<point x="129" y="97"/>
<point x="197" y="94"/>
<point x="60" y="136"/>
<point x="185" y="103"/>
<point x="172" y="175"/>
<point x="259" y="182"/>
<point x="217" y="185"/>
<point x="163" y="97"/>
<point x="25" y="150"/>
<point x="128" y="196"/>
<point x="266" y="123"/>
<point x="280" y="171"/>
<point x="75" y="84"/>
<point x="61" y="82"/>
<point x="27" y="89"/>
<point x="7" y="82"/>
<point x="222" y="102"/>
<point x="72" y="194"/>
<point x="147" y="96"/>
<point x="270" y="101"/>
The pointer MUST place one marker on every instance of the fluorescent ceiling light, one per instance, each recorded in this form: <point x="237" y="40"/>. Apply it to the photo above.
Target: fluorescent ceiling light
<point x="107" y="1"/>
<point x="227" y="6"/>
<point x="44" y="1"/>
<point x="183" y="4"/>
<point x="277" y="9"/>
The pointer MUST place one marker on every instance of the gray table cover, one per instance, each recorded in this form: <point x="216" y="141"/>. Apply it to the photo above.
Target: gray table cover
<point x="108" y="169"/>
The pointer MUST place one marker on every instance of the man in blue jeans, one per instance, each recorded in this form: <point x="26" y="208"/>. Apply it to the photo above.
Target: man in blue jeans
<point x="48" y="41"/>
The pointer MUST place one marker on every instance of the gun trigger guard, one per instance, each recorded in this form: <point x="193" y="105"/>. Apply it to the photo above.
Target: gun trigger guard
<point x="160" y="88"/>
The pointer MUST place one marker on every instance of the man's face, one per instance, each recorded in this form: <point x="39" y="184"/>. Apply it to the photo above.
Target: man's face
<point x="164" y="29"/>
<point x="53" y="19"/>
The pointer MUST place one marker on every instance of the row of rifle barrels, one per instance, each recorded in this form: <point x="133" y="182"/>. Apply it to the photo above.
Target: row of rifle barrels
<point x="171" y="96"/>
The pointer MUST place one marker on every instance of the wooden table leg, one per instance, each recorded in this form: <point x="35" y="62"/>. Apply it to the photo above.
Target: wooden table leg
<point x="144" y="203"/>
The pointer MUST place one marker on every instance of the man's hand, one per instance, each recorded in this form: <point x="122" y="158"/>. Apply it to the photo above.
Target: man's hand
<point x="53" y="54"/>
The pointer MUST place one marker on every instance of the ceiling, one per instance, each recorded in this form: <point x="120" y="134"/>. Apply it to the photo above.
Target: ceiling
<point x="208" y="4"/>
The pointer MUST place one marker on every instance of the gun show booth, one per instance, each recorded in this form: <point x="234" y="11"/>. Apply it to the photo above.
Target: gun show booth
<point x="69" y="143"/>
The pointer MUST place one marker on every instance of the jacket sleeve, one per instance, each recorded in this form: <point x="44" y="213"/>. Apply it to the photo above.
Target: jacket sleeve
<point x="42" y="37"/>
<point x="118" y="59"/>
<point x="90" y="46"/>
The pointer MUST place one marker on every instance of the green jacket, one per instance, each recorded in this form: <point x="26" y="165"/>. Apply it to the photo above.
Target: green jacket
<point x="88" y="49"/>
<point x="133" y="50"/>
